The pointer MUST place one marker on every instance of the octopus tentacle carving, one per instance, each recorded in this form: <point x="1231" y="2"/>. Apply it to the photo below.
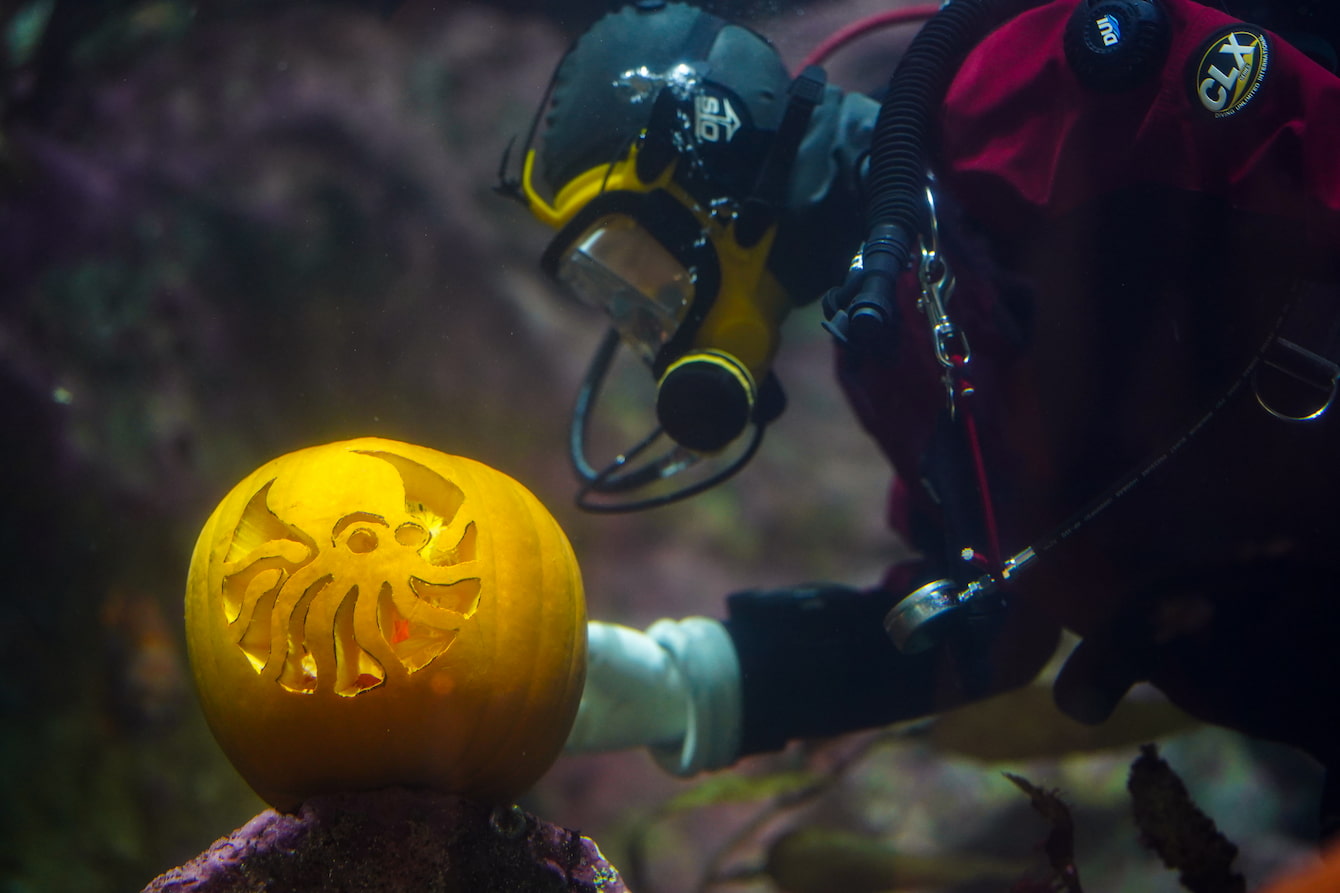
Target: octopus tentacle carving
<point x="314" y="591"/>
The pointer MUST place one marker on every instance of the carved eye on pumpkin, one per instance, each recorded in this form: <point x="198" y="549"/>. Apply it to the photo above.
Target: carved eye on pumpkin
<point x="371" y="613"/>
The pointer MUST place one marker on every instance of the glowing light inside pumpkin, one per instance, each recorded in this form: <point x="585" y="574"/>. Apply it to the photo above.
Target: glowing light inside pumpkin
<point x="410" y="553"/>
<point x="371" y="613"/>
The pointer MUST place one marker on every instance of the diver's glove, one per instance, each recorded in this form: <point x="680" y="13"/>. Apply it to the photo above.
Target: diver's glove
<point x="674" y="689"/>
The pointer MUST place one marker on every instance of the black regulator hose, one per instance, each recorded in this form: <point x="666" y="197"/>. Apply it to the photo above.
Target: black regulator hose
<point x="863" y="310"/>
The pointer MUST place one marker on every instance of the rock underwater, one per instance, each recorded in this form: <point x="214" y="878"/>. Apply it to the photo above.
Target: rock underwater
<point x="395" y="840"/>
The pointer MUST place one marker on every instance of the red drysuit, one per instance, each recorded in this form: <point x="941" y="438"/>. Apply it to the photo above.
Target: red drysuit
<point x="1128" y="260"/>
<point x="1125" y="259"/>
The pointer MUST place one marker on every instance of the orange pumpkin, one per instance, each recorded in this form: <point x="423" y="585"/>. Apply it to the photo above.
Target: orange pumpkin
<point x="372" y="613"/>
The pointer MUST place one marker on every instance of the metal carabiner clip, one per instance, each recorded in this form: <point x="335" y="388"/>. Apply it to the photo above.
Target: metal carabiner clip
<point x="937" y="288"/>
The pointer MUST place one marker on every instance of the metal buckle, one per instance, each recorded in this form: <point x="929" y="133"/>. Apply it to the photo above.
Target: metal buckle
<point x="1308" y="370"/>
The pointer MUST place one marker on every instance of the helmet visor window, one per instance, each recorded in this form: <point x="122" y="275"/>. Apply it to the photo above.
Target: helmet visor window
<point x="616" y="266"/>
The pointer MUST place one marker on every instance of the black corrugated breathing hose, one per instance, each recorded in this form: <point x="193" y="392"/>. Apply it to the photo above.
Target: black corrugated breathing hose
<point x="898" y="161"/>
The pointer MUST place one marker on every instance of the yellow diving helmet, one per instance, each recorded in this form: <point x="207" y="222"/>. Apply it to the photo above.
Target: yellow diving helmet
<point x="683" y="168"/>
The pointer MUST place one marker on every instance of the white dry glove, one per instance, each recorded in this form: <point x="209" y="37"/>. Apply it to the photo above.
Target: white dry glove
<point x="674" y="689"/>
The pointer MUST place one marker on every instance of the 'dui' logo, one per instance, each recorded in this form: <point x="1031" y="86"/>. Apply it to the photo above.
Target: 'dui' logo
<point x="1230" y="70"/>
<point x="1109" y="30"/>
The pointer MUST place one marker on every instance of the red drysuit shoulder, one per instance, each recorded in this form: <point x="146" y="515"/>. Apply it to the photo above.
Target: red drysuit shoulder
<point x="1022" y="135"/>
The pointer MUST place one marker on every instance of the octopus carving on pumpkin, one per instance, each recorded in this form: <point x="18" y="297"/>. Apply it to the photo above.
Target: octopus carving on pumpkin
<point x="313" y="591"/>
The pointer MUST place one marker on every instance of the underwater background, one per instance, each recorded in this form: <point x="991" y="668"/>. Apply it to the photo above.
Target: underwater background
<point x="231" y="229"/>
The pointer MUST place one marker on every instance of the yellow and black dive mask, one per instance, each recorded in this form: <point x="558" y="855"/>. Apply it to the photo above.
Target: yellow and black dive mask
<point x="663" y="157"/>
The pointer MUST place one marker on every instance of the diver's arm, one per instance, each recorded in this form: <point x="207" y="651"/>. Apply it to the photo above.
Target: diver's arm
<point x="816" y="661"/>
<point x="804" y="662"/>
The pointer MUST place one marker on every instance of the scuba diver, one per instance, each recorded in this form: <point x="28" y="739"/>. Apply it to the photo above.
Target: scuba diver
<point x="1080" y="266"/>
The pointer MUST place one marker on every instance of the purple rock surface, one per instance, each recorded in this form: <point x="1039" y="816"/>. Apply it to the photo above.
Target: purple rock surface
<point x="395" y="840"/>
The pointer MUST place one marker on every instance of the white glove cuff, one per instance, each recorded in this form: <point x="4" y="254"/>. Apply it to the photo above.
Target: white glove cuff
<point x="706" y="658"/>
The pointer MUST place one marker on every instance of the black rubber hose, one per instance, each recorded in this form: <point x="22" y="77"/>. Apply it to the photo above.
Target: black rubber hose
<point x="917" y="88"/>
<point x="900" y="146"/>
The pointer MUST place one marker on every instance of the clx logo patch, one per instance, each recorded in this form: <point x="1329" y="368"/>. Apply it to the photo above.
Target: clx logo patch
<point x="1230" y="69"/>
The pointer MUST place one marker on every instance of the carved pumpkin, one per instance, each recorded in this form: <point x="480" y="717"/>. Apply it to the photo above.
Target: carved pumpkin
<point x="372" y="613"/>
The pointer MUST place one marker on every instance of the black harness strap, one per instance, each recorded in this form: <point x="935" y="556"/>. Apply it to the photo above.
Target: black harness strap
<point x="769" y="193"/>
